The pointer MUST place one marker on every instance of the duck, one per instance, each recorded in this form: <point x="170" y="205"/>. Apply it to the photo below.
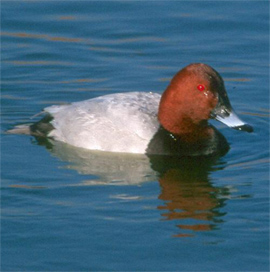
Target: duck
<point x="174" y="123"/>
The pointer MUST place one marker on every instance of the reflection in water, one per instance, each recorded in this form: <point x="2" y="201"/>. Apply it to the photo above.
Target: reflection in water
<point x="40" y="36"/>
<point x="186" y="190"/>
<point x="107" y="167"/>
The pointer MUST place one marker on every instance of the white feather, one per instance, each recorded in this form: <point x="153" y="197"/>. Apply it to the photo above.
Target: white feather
<point x="123" y="122"/>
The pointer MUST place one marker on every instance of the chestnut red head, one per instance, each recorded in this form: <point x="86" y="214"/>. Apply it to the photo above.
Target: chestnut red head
<point x="195" y="94"/>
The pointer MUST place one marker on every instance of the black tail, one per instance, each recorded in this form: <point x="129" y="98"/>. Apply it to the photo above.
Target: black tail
<point x="43" y="127"/>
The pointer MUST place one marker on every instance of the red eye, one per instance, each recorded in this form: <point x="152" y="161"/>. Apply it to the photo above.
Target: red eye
<point x="201" y="87"/>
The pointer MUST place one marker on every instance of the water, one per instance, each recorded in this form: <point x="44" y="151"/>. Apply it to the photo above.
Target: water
<point x="66" y="209"/>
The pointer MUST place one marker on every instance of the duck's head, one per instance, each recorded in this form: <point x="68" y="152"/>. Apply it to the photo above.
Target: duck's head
<point x="195" y="94"/>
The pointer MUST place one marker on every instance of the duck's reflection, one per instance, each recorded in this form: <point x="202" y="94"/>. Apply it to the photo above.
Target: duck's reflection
<point x="188" y="196"/>
<point x="107" y="167"/>
<point x="187" y="192"/>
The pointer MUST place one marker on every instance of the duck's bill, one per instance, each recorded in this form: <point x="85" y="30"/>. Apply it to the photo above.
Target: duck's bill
<point x="231" y="119"/>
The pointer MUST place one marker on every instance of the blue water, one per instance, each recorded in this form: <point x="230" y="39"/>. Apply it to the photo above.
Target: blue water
<point x="67" y="209"/>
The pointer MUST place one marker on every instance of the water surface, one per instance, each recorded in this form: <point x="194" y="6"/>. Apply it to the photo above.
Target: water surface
<point x="68" y="209"/>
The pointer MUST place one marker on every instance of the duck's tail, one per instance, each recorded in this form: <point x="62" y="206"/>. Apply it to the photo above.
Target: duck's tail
<point x="39" y="129"/>
<point x="20" y="129"/>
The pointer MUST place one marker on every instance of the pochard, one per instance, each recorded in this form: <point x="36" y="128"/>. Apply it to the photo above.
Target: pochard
<point x="174" y="123"/>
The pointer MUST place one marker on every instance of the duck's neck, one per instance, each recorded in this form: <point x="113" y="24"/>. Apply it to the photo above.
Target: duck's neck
<point x="187" y="130"/>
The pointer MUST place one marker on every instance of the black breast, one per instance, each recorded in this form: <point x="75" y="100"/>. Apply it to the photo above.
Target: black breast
<point x="165" y="143"/>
